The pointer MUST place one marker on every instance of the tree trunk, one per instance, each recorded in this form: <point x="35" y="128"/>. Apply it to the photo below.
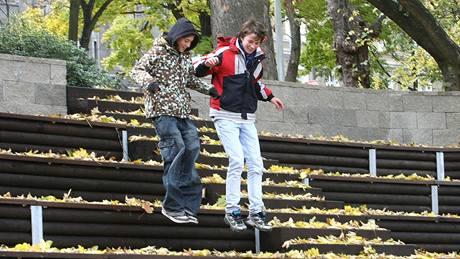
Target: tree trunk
<point x="350" y="46"/>
<point x="423" y="28"/>
<point x="294" y="58"/>
<point x="86" y="31"/>
<point x="227" y="16"/>
<point x="73" y="20"/>
<point x="90" y="20"/>
<point x="205" y="24"/>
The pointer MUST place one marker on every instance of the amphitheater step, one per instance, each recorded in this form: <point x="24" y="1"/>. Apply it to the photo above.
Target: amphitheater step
<point x="272" y="241"/>
<point x="351" y="249"/>
<point x="113" y="226"/>
<point x="91" y="180"/>
<point x="145" y="150"/>
<point x="24" y="132"/>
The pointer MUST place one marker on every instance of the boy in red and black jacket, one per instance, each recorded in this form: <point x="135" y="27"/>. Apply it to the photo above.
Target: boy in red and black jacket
<point x="236" y="71"/>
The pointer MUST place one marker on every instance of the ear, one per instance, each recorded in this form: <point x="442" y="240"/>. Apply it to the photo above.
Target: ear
<point x="264" y="39"/>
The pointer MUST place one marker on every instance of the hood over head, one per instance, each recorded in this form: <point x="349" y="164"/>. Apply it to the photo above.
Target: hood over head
<point x="182" y="28"/>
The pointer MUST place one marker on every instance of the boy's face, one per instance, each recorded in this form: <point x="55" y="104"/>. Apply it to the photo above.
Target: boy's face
<point x="251" y="42"/>
<point x="184" y="43"/>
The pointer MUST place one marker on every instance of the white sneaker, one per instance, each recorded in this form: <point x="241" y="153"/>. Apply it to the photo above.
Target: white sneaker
<point x="180" y="218"/>
<point x="235" y="221"/>
<point x="192" y="219"/>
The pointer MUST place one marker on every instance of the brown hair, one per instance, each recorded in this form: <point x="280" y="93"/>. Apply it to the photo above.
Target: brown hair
<point x="252" y="26"/>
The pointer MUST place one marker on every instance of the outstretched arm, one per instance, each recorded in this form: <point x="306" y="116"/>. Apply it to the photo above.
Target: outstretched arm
<point x="200" y="86"/>
<point x="266" y="94"/>
<point x="278" y="103"/>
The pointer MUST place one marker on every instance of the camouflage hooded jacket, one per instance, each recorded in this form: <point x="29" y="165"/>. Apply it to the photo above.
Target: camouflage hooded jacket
<point x="164" y="74"/>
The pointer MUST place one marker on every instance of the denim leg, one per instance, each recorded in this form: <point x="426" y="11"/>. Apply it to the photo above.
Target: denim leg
<point x="190" y="180"/>
<point x="172" y="149"/>
<point x="250" y="142"/>
<point x="228" y="133"/>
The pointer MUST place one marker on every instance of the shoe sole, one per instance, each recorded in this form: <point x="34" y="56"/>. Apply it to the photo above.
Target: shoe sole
<point x="252" y="224"/>
<point x="174" y="219"/>
<point x="193" y="221"/>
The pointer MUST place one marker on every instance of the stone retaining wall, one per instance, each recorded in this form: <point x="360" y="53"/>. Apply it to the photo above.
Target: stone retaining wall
<point x="431" y="118"/>
<point x="32" y="85"/>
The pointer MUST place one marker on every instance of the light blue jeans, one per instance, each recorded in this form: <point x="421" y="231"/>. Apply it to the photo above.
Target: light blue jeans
<point x="241" y="143"/>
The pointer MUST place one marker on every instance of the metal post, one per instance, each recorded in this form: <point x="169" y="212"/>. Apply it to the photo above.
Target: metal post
<point x="373" y="162"/>
<point x="37" y="224"/>
<point x="440" y="166"/>
<point x="279" y="41"/>
<point x="257" y="237"/>
<point x="124" y="136"/>
<point x="306" y="181"/>
<point x="434" y="200"/>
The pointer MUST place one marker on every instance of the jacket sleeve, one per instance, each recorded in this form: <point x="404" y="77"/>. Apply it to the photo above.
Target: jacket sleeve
<point x="143" y="72"/>
<point x="196" y="84"/>
<point x="202" y="70"/>
<point x="263" y="92"/>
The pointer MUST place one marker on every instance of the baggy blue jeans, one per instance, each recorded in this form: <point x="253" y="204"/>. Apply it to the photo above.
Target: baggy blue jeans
<point x="179" y="146"/>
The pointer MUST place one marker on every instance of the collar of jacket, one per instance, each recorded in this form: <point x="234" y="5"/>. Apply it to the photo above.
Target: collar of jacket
<point x="235" y="46"/>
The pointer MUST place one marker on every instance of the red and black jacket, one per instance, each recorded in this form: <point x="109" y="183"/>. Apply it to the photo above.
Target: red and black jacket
<point x="238" y="85"/>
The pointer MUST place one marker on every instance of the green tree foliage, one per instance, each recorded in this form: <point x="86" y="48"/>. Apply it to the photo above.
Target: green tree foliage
<point x="21" y="37"/>
<point x="204" y="47"/>
<point x="163" y="14"/>
<point x="128" y="28"/>
<point x="448" y="14"/>
<point x="317" y="53"/>
<point x="56" y="21"/>
<point x="127" y="43"/>
<point x="129" y="36"/>
<point x="416" y="67"/>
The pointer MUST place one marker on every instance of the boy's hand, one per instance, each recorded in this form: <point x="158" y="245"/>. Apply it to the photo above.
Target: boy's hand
<point x="153" y="87"/>
<point x="278" y="103"/>
<point x="211" y="62"/>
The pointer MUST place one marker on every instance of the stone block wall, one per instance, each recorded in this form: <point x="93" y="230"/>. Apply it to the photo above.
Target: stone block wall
<point x="32" y="85"/>
<point x="431" y="118"/>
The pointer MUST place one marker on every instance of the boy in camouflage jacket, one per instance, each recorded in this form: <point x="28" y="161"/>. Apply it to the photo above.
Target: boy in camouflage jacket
<point x="165" y="72"/>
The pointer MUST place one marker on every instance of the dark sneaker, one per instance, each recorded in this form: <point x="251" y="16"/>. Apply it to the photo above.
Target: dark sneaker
<point x="258" y="221"/>
<point x="235" y="221"/>
<point x="176" y="217"/>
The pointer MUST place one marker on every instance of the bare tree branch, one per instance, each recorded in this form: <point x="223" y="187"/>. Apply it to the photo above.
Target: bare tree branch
<point x="83" y="4"/>
<point x="382" y="67"/>
<point x="99" y="12"/>
<point x="3" y="11"/>
<point x="133" y="12"/>
<point x="7" y="10"/>
<point x="377" y="26"/>
<point x="412" y="17"/>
